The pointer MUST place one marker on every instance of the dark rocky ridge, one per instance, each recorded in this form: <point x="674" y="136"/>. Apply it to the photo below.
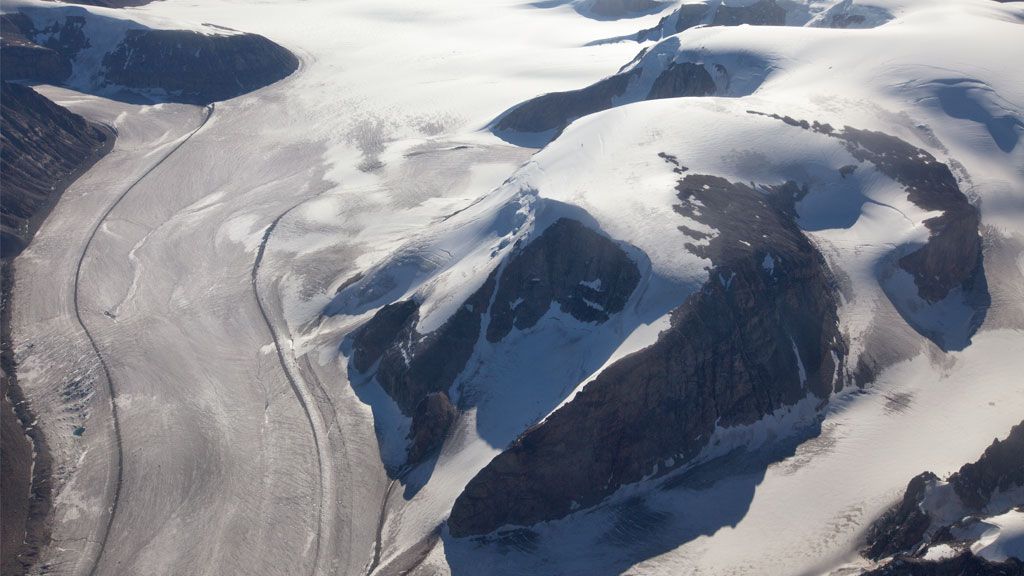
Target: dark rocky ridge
<point x="952" y="256"/>
<point x="433" y="417"/>
<point x="682" y="79"/>
<point x="22" y="59"/>
<point x="557" y="110"/>
<point x="964" y="564"/>
<point x="760" y="13"/>
<point x="1000" y="468"/>
<point x="729" y="358"/>
<point x="560" y="267"/>
<point x="902" y="527"/>
<point x="45" y="147"/>
<point x="585" y="273"/>
<point x="906" y="530"/>
<point x="551" y="113"/>
<point x="166" y="65"/>
<point x="624" y="8"/>
<point x="197" y="67"/>
<point x="413" y="365"/>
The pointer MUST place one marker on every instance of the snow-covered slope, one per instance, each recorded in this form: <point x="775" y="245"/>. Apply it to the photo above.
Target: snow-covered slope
<point x="443" y="308"/>
<point x="803" y="105"/>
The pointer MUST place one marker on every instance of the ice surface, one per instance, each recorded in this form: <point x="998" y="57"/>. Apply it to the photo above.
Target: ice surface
<point x="372" y="159"/>
<point x="1004" y="539"/>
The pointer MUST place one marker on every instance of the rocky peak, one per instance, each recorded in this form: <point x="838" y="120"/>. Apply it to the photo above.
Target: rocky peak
<point x="585" y="274"/>
<point x="755" y="339"/>
<point x="903" y="534"/>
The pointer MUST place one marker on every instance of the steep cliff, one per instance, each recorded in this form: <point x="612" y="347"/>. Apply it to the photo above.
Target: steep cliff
<point x="122" y="58"/>
<point x="583" y="273"/>
<point x="45" y="147"/>
<point x="196" y="67"/>
<point x="761" y="335"/>
<point x="949" y="266"/>
<point x="957" y="516"/>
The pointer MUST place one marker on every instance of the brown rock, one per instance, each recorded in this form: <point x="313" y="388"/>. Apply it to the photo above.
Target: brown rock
<point x="727" y="359"/>
<point x="430" y="424"/>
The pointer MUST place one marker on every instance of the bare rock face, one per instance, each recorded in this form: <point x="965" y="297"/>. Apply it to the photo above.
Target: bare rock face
<point x="415" y="364"/>
<point x="999" y="469"/>
<point x="760" y="13"/>
<point x="22" y="59"/>
<point x="430" y="423"/>
<point x="197" y="67"/>
<point x="557" y="110"/>
<point x="903" y="526"/>
<point x="45" y="147"/>
<point x="551" y="113"/>
<point x="682" y="79"/>
<point x="952" y="256"/>
<point x="953" y="252"/>
<point x="373" y="339"/>
<point x="948" y="270"/>
<point x="761" y="335"/>
<point x="176" y="65"/>
<point x="964" y="564"/>
<point x="624" y="8"/>
<point x="903" y="533"/>
<point x="587" y="275"/>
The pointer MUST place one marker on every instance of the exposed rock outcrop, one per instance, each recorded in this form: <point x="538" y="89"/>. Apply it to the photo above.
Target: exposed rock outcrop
<point x="904" y="525"/>
<point x="587" y="275"/>
<point x="952" y="254"/>
<point x="45" y="147"/>
<point x="22" y="59"/>
<point x="963" y="564"/>
<point x="682" y="79"/>
<point x="430" y="423"/>
<point x="759" y="13"/>
<point x="761" y="335"/>
<point x="902" y="535"/>
<point x="584" y="273"/>
<point x="557" y="110"/>
<point x="380" y="332"/>
<point x="197" y="67"/>
<point x="951" y="260"/>
<point x="999" y="469"/>
<point x="415" y="364"/>
<point x="145" y="63"/>
<point x="607" y="9"/>
<point x="551" y="113"/>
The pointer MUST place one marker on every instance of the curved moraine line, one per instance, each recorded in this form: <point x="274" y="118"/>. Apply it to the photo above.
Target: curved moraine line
<point x="306" y="400"/>
<point x="111" y="389"/>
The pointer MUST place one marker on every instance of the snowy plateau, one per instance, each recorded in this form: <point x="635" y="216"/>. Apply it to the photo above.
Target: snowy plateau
<point x="501" y="287"/>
